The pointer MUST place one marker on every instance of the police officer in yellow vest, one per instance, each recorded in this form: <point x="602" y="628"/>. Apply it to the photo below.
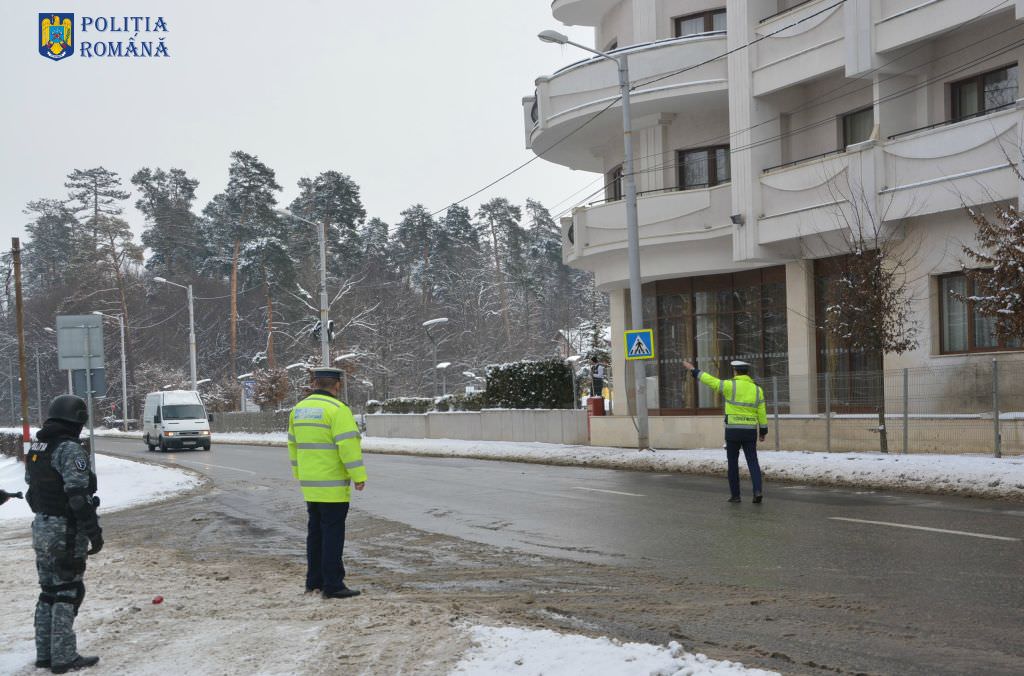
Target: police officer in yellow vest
<point x="323" y="445"/>
<point x="746" y="420"/>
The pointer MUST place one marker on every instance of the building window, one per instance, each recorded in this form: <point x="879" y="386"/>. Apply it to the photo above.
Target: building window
<point x="711" y="321"/>
<point x="695" y="24"/>
<point x="703" y="167"/>
<point x="854" y="377"/>
<point x="963" y="328"/>
<point x="983" y="93"/>
<point x="613" y="184"/>
<point x="857" y="126"/>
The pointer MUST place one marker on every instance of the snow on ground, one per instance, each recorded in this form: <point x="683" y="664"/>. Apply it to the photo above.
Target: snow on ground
<point x="501" y="651"/>
<point x="117" y="611"/>
<point x="968" y="475"/>
<point x="122" y="483"/>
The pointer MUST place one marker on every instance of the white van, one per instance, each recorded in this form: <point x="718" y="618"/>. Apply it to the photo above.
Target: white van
<point x="175" y="419"/>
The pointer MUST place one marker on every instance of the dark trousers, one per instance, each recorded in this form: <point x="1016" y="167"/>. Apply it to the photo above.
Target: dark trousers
<point x="325" y="543"/>
<point x="732" y="453"/>
<point x="598" y="387"/>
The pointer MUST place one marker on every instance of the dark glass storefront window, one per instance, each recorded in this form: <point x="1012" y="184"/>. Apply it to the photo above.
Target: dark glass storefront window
<point x="711" y="321"/>
<point x="854" y="376"/>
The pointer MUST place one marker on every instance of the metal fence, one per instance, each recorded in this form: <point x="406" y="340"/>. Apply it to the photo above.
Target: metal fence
<point x="975" y="407"/>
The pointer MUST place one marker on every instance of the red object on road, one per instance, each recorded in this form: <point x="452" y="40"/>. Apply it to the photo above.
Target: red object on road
<point x="157" y="600"/>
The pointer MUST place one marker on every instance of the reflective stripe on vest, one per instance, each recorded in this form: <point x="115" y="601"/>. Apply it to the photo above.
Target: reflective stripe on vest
<point x="325" y="484"/>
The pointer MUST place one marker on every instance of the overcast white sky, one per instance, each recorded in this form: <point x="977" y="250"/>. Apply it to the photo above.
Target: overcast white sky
<point x="418" y="101"/>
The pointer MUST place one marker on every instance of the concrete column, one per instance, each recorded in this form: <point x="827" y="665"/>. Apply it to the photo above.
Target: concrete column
<point x="645" y="21"/>
<point x="858" y="36"/>
<point x="618" y="308"/>
<point x="751" y="121"/>
<point x="800" y="334"/>
<point x="652" y="164"/>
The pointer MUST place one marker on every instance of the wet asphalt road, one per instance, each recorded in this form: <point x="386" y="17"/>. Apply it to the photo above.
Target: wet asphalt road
<point x="954" y="562"/>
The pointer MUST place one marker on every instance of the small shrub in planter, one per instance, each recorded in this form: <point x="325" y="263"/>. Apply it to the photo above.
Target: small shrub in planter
<point x="373" y="406"/>
<point x="443" y="404"/>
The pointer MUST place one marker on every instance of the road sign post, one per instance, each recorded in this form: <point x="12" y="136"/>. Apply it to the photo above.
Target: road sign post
<point x="80" y="346"/>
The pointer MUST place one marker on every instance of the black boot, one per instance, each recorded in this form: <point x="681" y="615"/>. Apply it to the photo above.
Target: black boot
<point x="343" y="593"/>
<point x="734" y="498"/>
<point x="758" y="498"/>
<point x="42" y="664"/>
<point x="80" y="662"/>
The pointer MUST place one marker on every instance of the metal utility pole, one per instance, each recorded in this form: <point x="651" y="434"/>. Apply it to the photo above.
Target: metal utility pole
<point x="191" y="340"/>
<point x="23" y="375"/>
<point x="39" y="394"/>
<point x="325" y="348"/>
<point x="632" y="226"/>
<point x="124" y="368"/>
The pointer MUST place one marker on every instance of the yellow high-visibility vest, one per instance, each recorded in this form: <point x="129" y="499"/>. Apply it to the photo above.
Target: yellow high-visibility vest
<point x="323" y="446"/>
<point x="745" y="407"/>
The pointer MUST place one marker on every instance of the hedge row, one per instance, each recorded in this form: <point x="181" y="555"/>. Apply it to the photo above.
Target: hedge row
<point x="452" y="402"/>
<point x="530" y="384"/>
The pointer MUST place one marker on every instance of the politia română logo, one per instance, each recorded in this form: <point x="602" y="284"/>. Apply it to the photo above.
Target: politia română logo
<point x="102" y="36"/>
<point x="56" y="35"/>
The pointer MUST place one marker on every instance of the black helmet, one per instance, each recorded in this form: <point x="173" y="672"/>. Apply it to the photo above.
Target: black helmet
<point x="69" y="408"/>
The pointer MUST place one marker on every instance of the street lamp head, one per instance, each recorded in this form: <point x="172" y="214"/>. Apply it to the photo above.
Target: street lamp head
<point x="160" y="279"/>
<point x="435" y="322"/>
<point x="296" y="365"/>
<point x="469" y="374"/>
<point x="203" y="381"/>
<point x="349" y="355"/>
<point x="553" y="36"/>
<point x="443" y="365"/>
<point x="48" y="329"/>
<point x="244" y="376"/>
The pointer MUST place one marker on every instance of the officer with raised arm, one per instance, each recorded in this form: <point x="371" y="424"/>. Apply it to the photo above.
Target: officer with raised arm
<point x="746" y="420"/>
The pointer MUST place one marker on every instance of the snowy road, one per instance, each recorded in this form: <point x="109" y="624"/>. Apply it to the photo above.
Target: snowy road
<point x="861" y="581"/>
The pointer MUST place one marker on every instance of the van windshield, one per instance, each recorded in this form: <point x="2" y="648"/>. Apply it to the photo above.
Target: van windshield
<point x="184" y="412"/>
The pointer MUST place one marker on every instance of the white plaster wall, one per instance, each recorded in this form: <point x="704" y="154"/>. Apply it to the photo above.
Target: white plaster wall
<point x="616" y="25"/>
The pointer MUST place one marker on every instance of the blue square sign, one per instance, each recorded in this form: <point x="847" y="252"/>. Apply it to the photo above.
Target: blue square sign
<point x="639" y="344"/>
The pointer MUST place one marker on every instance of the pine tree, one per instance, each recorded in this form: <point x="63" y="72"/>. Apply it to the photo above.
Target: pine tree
<point x="244" y="212"/>
<point x="172" y="235"/>
<point x="332" y="200"/>
<point x="53" y="232"/>
<point x="417" y="235"/>
<point x="499" y="221"/>
<point x="999" y="282"/>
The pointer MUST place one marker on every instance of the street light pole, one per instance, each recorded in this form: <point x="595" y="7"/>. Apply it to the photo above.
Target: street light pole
<point x="124" y="361"/>
<point x="191" y="327"/>
<point x="426" y="326"/>
<point x="632" y="226"/>
<point x="321" y="231"/>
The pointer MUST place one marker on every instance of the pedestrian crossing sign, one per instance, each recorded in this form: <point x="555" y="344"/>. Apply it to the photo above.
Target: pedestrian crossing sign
<point x="639" y="344"/>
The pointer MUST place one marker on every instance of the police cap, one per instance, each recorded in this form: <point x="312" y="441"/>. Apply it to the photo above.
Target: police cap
<point x="736" y="363"/>
<point x="327" y="372"/>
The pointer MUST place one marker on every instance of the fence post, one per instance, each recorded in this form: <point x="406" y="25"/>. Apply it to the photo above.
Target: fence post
<point x="997" y="441"/>
<point x="828" y="413"/>
<point x="906" y="411"/>
<point x="775" y="403"/>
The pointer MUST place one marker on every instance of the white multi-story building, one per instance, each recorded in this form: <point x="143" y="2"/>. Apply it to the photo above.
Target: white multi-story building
<point x="818" y="117"/>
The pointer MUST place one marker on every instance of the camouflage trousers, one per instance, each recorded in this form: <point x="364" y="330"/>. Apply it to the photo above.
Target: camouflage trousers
<point x="60" y="562"/>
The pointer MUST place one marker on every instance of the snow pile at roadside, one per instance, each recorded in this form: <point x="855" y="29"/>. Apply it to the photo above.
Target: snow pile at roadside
<point x="122" y="483"/>
<point x="968" y="475"/>
<point x="510" y="650"/>
<point x="948" y="474"/>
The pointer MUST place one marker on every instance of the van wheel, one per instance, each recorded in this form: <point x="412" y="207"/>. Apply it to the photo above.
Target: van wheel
<point x="149" y="447"/>
<point x="163" y="446"/>
<point x="206" y="447"/>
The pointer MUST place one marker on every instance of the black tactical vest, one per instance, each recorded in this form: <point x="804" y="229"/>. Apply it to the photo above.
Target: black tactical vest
<point x="45" y="485"/>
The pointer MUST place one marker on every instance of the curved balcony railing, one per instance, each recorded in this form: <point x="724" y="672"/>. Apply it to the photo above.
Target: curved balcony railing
<point x="581" y="12"/>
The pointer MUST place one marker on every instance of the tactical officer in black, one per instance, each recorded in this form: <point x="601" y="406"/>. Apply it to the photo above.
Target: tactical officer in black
<point x="64" y="531"/>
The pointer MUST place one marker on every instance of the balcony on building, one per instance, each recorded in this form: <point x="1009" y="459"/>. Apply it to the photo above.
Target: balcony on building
<point x="564" y="120"/>
<point x="904" y="22"/>
<point x="581" y="12"/>
<point x="679" y="229"/>
<point x="798" y="44"/>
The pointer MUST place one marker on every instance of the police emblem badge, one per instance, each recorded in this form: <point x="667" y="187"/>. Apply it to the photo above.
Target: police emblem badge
<point x="81" y="464"/>
<point x="55" y="35"/>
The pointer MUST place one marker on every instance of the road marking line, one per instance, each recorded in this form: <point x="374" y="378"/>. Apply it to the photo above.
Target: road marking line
<point x="206" y="464"/>
<point x="601" y="490"/>
<point x="926" y="528"/>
